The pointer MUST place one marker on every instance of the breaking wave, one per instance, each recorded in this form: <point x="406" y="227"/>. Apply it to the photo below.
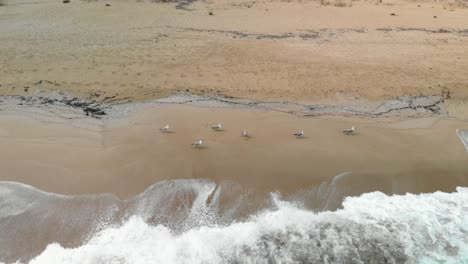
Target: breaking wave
<point x="195" y="221"/>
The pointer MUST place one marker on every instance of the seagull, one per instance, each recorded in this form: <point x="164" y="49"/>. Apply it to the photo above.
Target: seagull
<point x="245" y="134"/>
<point x="217" y="127"/>
<point x="299" y="134"/>
<point x="349" y="131"/>
<point x="198" y="144"/>
<point x="164" y="129"/>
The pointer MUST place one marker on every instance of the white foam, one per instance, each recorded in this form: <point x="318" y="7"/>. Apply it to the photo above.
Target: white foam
<point x="463" y="135"/>
<point x="372" y="228"/>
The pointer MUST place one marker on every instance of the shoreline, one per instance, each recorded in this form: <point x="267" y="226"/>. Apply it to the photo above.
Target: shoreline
<point x="398" y="108"/>
<point x="65" y="151"/>
<point x="88" y="175"/>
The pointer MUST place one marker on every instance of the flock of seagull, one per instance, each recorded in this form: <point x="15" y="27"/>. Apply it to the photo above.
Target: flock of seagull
<point x="245" y="134"/>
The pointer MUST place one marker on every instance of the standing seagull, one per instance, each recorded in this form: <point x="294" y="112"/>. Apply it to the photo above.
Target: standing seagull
<point x="198" y="144"/>
<point x="349" y="131"/>
<point x="245" y="134"/>
<point x="299" y="134"/>
<point x="165" y="129"/>
<point x="217" y="127"/>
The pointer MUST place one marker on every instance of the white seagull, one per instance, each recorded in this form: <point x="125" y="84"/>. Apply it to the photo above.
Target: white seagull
<point x="198" y="144"/>
<point x="349" y="131"/>
<point x="245" y="134"/>
<point x="165" y="129"/>
<point x="299" y="134"/>
<point x="217" y="127"/>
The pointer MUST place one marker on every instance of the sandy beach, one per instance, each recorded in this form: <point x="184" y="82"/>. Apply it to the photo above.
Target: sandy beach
<point x="125" y="155"/>
<point x="298" y="51"/>
<point x="61" y="166"/>
<point x="87" y="176"/>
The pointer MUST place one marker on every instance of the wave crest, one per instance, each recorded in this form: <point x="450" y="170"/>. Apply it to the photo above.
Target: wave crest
<point x="371" y="228"/>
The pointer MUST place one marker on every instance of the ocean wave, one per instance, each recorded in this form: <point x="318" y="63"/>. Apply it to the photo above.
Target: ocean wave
<point x="371" y="228"/>
<point x="30" y="219"/>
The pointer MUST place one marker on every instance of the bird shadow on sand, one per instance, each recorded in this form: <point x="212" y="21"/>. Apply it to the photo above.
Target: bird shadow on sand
<point x="168" y="132"/>
<point x="199" y="147"/>
<point x="351" y="134"/>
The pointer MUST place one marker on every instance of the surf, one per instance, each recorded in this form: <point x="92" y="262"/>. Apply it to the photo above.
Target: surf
<point x="199" y="228"/>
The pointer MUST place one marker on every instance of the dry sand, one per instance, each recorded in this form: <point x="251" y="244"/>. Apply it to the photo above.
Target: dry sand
<point x="265" y="50"/>
<point x="77" y="115"/>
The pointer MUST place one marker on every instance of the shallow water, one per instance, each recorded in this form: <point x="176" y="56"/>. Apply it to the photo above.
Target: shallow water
<point x="325" y="198"/>
<point x="199" y="221"/>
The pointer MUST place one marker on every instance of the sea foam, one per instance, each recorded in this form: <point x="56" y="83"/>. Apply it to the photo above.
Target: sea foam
<point x="371" y="228"/>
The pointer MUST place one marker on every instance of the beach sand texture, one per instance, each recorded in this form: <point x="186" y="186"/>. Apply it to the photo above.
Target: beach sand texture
<point x="126" y="155"/>
<point x="86" y="174"/>
<point x="298" y="51"/>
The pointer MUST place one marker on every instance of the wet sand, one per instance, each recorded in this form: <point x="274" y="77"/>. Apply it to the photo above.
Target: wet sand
<point x="78" y="116"/>
<point x="125" y="155"/>
<point x="270" y="51"/>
